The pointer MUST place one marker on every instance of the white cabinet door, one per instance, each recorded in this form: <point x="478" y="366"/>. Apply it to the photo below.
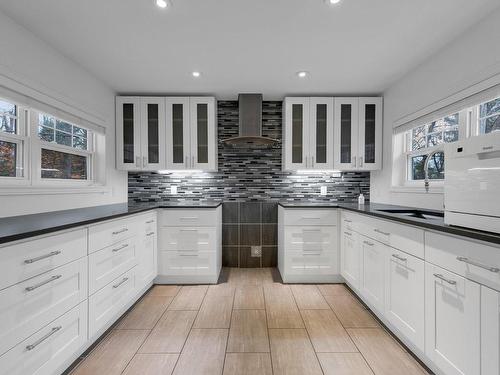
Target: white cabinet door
<point x="296" y="134"/>
<point x="147" y="267"/>
<point x="490" y="331"/>
<point x="372" y="272"/>
<point x="452" y="321"/>
<point x="404" y="295"/>
<point x="346" y="133"/>
<point x="203" y="133"/>
<point x="128" y="133"/>
<point x="178" y="137"/>
<point x="321" y="133"/>
<point x="152" y="133"/>
<point x="349" y="257"/>
<point x="370" y="134"/>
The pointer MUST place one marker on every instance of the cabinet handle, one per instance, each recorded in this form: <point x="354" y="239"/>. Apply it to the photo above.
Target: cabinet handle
<point x="310" y="254"/>
<point x="354" y="161"/>
<point x="310" y="218"/>
<point x="120" y="231"/>
<point x="150" y="221"/>
<point x="150" y="234"/>
<point x="33" y="287"/>
<point x="384" y="233"/>
<point x="120" y="283"/>
<point x="189" y="218"/>
<point x="120" y="248"/>
<point x="349" y="234"/>
<point x="43" y="338"/>
<point x="399" y="257"/>
<point x="477" y="264"/>
<point x="360" y="161"/>
<point x="188" y="255"/>
<point x="368" y="243"/>
<point x="348" y="221"/>
<point x="137" y="161"/>
<point x="144" y="161"/>
<point x="41" y="257"/>
<point x="441" y="277"/>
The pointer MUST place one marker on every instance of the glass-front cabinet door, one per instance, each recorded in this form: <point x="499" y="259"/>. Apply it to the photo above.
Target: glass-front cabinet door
<point x="178" y="138"/>
<point x="128" y="133"/>
<point x="321" y="133"/>
<point x="346" y="133"/>
<point x="152" y="133"/>
<point x="370" y="134"/>
<point x="296" y="134"/>
<point x="203" y="134"/>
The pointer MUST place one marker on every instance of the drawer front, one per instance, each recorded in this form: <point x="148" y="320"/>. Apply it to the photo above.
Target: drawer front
<point x="472" y="260"/>
<point x="107" y="264"/>
<point x="31" y="258"/>
<point x="47" y="351"/>
<point x="187" y="263"/>
<point x="27" y="306"/>
<point x="150" y="225"/>
<point x="326" y="216"/>
<point x="107" y="234"/>
<point x="107" y="302"/>
<point x="311" y="239"/>
<point x="192" y="217"/>
<point x="187" y="238"/>
<point x="311" y="263"/>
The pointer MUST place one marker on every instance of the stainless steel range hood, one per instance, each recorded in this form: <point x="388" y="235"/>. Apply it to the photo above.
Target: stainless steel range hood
<point x="250" y="123"/>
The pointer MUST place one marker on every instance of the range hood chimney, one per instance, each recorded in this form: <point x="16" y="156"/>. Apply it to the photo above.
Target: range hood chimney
<point x="250" y="123"/>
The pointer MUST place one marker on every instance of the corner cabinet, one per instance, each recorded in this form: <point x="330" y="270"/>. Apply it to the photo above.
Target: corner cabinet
<point x="308" y="134"/>
<point x="174" y="133"/>
<point x="358" y="134"/>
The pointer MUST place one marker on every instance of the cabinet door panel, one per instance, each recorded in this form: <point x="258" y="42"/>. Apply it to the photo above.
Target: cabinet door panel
<point x="296" y="134"/>
<point x="203" y="134"/>
<point x="153" y="133"/>
<point x="370" y="133"/>
<point x="128" y="133"/>
<point x="404" y="295"/>
<point x="321" y="133"/>
<point x="178" y="134"/>
<point x="346" y="133"/>
<point x="452" y="322"/>
<point x="372" y="266"/>
<point x="490" y="331"/>
<point x="350" y="257"/>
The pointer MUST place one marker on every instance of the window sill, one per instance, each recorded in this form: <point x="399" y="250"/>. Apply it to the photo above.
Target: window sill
<point x="30" y="190"/>
<point x="439" y="189"/>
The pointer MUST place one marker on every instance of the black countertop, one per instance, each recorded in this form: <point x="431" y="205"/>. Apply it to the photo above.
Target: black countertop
<point x="373" y="209"/>
<point x="20" y="227"/>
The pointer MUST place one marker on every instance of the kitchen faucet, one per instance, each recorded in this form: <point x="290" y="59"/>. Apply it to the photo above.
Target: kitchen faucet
<point x="426" y="168"/>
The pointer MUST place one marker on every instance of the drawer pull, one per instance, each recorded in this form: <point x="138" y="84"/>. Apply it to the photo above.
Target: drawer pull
<point x="188" y="255"/>
<point x="441" y="277"/>
<point x="399" y="257"/>
<point x="310" y="218"/>
<point x="120" y="248"/>
<point x="120" y="231"/>
<point x="311" y="230"/>
<point x="349" y="234"/>
<point x="189" y="218"/>
<point x="189" y="230"/>
<point x="368" y="243"/>
<point x="150" y="221"/>
<point x="43" y="338"/>
<point x="33" y="287"/>
<point x="384" y="233"/>
<point x="120" y="283"/>
<point x="477" y="264"/>
<point x="348" y="221"/>
<point x="150" y="234"/>
<point x="33" y="260"/>
<point x="311" y="254"/>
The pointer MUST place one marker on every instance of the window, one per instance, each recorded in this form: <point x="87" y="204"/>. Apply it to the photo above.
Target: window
<point x="489" y="116"/>
<point x="426" y="139"/>
<point x="12" y="141"/>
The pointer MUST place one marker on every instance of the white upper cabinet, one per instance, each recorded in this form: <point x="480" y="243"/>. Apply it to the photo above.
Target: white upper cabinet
<point x="358" y="134"/>
<point x="308" y="134"/>
<point x="174" y="133"/>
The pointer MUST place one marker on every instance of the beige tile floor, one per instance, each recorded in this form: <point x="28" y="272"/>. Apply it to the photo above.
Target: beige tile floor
<point x="250" y="323"/>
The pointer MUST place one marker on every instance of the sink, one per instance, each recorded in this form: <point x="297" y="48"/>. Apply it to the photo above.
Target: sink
<point x="419" y="214"/>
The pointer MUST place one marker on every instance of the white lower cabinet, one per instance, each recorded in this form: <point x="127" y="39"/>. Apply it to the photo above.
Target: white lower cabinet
<point x="405" y="295"/>
<point x="349" y="257"/>
<point x="490" y="331"/>
<point x="51" y="349"/>
<point x="373" y="255"/>
<point x="452" y="322"/>
<point x="147" y="267"/>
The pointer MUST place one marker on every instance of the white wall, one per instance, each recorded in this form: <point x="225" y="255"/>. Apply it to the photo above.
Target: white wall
<point x="32" y="62"/>
<point x="470" y="59"/>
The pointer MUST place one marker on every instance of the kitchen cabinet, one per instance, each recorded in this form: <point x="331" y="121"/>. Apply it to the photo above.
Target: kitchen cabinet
<point x="349" y="257"/>
<point x="490" y="331"/>
<point x="452" y="322"/>
<point x="140" y="133"/>
<point x="358" y="134"/>
<point x="308" y="134"/>
<point x="191" y="135"/>
<point x="147" y="267"/>
<point x="404" y="295"/>
<point x="373" y="256"/>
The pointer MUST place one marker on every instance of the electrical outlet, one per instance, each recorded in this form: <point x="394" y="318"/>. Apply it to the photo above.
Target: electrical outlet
<point x="324" y="190"/>
<point x="173" y="189"/>
<point x="256" y="251"/>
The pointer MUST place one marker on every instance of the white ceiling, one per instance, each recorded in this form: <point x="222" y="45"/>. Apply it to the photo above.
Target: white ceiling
<point x="361" y="46"/>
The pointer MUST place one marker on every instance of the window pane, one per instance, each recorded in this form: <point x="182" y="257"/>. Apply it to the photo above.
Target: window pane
<point x="436" y="167"/>
<point x="8" y="156"/>
<point x="434" y="139"/>
<point x="451" y="136"/>
<point x="297" y="133"/>
<point x="46" y="120"/>
<point x="46" y="134"/>
<point x="63" y="138"/>
<point x="61" y="165"/>
<point x="80" y="143"/>
<point x="345" y="133"/>
<point x="490" y="108"/>
<point x="202" y="132"/>
<point x="153" y="134"/>
<point x="128" y="133"/>
<point x="79" y="132"/>
<point x="418" y="138"/>
<point x="7" y="124"/>
<point x="8" y="108"/>
<point x="443" y="124"/>
<point x="321" y="120"/>
<point x="177" y="133"/>
<point x="370" y="116"/>
<point x="490" y="124"/>
<point x="64" y="126"/>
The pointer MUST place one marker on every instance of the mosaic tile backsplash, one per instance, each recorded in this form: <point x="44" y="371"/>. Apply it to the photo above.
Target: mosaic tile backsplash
<point x="250" y="182"/>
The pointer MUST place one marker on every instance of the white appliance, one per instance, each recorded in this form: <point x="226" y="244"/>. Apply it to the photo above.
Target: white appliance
<point x="472" y="183"/>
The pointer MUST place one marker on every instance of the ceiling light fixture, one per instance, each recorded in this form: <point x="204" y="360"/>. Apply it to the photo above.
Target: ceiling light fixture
<point x="161" y="3"/>
<point x="302" y="74"/>
<point x="332" y="2"/>
<point x="196" y="74"/>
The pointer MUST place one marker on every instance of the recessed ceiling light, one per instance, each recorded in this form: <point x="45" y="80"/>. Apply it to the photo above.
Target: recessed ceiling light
<point x="196" y="74"/>
<point x="302" y="74"/>
<point x="161" y="3"/>
<point x="332" y="2"/>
